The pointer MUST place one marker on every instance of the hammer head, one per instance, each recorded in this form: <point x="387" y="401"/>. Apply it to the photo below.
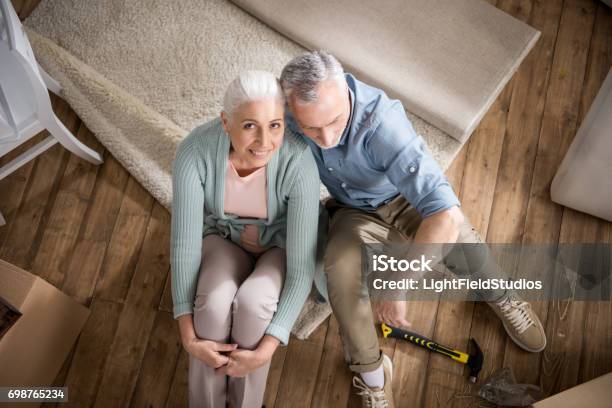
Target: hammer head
<point x="475" y="361"/>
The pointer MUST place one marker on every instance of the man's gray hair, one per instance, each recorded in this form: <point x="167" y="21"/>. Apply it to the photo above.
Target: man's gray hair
<point x="251" y="86"/>
<point x="304" y="73"/>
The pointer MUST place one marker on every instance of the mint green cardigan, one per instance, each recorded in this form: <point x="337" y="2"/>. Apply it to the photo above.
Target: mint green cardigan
<point x="198" y="182"/>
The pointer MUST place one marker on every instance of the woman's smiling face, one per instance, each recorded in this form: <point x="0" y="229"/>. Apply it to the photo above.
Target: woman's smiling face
<point x="256" y="130"/>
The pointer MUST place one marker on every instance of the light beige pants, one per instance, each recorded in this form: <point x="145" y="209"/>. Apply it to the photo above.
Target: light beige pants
<point x="236" y="297"/>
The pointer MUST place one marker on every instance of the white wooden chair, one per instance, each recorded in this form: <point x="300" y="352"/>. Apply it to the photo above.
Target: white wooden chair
<point x="25" y="106"/>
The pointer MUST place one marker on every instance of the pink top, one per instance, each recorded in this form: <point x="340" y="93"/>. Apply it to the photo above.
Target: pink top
<point x="246" y="197"/>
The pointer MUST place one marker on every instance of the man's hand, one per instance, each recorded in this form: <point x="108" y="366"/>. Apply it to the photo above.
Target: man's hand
<point x="392" y="313"/>
<point x="441" y="227"/>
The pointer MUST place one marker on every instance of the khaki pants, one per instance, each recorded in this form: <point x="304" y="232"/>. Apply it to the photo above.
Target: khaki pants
<point x="394" y="222"/>
<point x="236" y="298"/>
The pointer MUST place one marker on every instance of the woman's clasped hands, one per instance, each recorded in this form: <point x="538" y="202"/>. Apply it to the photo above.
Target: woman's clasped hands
<point x="227" y="358"/>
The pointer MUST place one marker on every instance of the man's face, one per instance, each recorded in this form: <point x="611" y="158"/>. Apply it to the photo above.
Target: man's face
<point x="324" y="120"/>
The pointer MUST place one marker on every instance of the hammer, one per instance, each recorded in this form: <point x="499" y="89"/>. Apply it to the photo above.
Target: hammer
<point x="474" y="361"/>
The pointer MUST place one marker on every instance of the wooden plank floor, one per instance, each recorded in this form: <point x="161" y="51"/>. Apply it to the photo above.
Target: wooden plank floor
<point x="94" y="232"/>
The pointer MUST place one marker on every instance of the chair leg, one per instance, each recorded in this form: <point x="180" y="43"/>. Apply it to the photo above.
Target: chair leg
<point x="70" y="142"/>
<point x="51" y="83"/>
<point x="27" y="156"/>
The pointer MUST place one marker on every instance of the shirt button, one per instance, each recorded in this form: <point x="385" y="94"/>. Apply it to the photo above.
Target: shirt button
<point x="343" y="185"/>
<point x="412" y="169"/>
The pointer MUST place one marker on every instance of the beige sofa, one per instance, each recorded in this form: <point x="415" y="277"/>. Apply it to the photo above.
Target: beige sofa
<point x="447" y="60"/>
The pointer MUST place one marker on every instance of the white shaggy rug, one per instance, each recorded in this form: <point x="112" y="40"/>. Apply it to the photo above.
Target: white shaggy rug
<point x="142" y="73"/>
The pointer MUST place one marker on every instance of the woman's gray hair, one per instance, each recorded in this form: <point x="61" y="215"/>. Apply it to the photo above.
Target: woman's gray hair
<point x="251" y="86"/>
<point x="304" y="73"/>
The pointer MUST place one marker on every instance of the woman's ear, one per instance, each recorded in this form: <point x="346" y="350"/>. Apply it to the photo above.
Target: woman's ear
<point x="225" y="122"/>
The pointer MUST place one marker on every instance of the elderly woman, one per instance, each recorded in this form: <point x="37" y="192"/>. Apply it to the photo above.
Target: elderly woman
<point x="243" y="244"/>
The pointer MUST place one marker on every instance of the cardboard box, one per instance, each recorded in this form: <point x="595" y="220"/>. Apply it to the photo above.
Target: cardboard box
<point x="596" y="393"/>
<point x="35" y="343"/>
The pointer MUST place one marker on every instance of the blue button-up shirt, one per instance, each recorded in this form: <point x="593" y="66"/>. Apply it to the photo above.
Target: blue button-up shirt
<point x="380" y="156"/>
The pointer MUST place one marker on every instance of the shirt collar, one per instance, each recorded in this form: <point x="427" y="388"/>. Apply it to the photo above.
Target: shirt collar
<point x="350" y="120"/>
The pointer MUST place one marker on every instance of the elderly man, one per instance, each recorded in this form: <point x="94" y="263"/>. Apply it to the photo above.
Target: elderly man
<point x="384" y="186"/>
